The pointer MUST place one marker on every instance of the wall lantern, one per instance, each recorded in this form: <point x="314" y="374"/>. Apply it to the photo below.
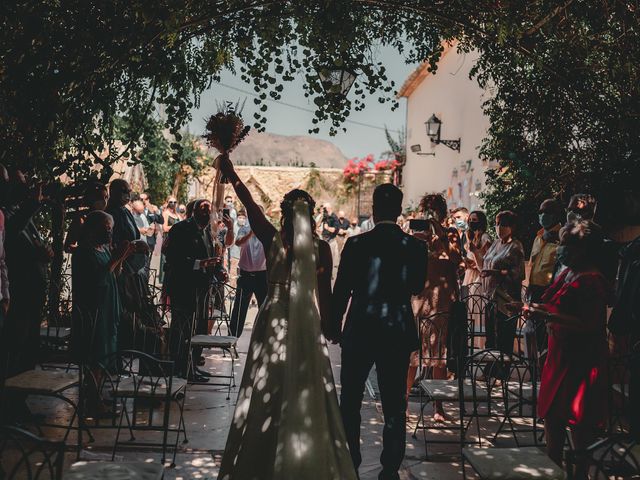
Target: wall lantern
<point x="434" y="125"/>
<point x="418" y="150"/>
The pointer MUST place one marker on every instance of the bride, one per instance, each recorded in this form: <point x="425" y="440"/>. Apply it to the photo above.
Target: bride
<point x="287" y="423"/>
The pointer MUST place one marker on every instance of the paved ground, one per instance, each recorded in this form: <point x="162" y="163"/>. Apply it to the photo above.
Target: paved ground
<point x="208" y="415"/>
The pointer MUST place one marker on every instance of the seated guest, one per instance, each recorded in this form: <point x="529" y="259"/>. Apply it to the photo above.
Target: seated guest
<point x="573" y="384"/>
<point x="96" y="302"/>
<point x="95" y="197"/>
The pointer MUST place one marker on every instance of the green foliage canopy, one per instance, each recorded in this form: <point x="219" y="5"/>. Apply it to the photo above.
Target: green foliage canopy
<point x="564" y="75"/>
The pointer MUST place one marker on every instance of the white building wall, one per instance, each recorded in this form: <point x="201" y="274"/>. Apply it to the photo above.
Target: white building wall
<point x="457" y="102"/>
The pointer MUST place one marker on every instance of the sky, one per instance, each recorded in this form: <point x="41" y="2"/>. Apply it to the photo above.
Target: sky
<point x="357" y="141"/>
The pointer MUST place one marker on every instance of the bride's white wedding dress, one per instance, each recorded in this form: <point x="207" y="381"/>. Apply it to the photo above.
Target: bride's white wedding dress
<point x="287" y="422"/>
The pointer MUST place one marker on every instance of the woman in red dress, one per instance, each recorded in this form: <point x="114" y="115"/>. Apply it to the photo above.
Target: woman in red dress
<point x="573" y="385"/>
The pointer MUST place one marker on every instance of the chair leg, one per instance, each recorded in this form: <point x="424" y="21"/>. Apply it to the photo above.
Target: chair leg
<point x="184" y="426"/>
<point x="165" y="427"/>
<point x="115" y="443"/>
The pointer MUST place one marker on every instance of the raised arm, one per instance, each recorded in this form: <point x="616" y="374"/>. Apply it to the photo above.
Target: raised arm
<point x="261" y="227"/>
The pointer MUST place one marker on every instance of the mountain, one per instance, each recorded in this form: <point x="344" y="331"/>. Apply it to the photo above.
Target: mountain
<point x="269" y="149"/>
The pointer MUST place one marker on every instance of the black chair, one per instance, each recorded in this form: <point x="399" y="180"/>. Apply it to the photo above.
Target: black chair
<point x="147" y="383"/>
<point x="479" y="308"/>
<point x="28" y="457"/>
<point x="615" y="457"/>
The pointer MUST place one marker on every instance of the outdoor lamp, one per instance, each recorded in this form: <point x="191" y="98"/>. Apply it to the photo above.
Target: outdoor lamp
<point x="434" y="126"/>
<point x="337" y="80"/>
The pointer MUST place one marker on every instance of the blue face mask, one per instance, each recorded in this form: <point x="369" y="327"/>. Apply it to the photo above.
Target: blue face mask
<point x="461" y="224"/>
<point x="547" y="220"/>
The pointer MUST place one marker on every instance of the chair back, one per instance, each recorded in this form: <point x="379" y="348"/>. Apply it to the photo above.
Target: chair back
<point x="617" y="456"/>
<point x="479" y="308"/>
<point x="26" y="456"/>
<point x="218" y="306"/>
<point x="143" y="374"/>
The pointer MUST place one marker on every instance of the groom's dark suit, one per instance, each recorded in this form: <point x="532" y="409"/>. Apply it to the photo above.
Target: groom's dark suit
<point x="379" y="270"/>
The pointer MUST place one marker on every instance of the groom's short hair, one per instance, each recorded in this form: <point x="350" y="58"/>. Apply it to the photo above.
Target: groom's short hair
<point x="387" y="202"/>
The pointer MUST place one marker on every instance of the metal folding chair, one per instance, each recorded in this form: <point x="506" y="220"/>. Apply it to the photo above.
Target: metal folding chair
<point x="26" y="456"/>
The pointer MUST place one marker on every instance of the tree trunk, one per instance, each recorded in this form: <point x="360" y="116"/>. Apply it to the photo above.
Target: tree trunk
<point x="177" y="183"/>
<point x="55" y="283"/>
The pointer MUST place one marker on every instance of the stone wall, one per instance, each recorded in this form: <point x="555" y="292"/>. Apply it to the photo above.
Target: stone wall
<point x="269" y="184"/>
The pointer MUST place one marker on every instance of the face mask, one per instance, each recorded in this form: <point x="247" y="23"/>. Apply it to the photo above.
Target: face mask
<point x="474" y="226"/>
<point x="104" y="237"/>
<point x="181" y="210"/>
<point x="573" y="216"/>
<point x="546" y="220"/>
<point x="461" y="224"/>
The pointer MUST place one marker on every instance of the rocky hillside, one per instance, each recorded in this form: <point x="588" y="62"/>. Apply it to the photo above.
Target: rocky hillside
<point x="269" y="149"/>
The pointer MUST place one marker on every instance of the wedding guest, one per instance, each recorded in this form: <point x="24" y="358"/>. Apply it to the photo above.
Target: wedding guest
<point x="228" y="203"/>
<point x="354" y="229"/>
<point x="170" y="218"/>
<point x="96" y="301"/>
<point x="330" y="228"/>
<point x="477" y="242"/>
<point x="27" y="256"/>
<point x="573" y="384"/>
<point x="147" y="231"/>
<point x="182" y="211"/>
<point x="192" y="263"/>
<point x="502" y="273"/>
<point x="439" y="291"/>
<point x="343" y="230"/>
<point x="253" y="276"/>
<point x="155" y="219"/>
<point x="460" y="217"/>
<point x="132" y="284"/>
<point x="94" y="198"/>
<point x="543" y="253"/>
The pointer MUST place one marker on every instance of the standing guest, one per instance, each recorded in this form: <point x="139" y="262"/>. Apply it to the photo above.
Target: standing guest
<point x="439" y="291"/>
<point x="478" y="242"/>
<point x="330" y="229"/>
<point x="253" y="276"/>
<point x="573" y="384"/>
<point x="542" y="267"/>
<point x="191" y="261"/>
<point x="380" y="327"/>
<point x="460" y="217"/>
<point x="170" y="218"/>
<point x="96" y="301"/>
<point x="502" y="273"/>
<point x="543" y="253"/>
<point x="154" y="217"/>
<point x="94" y="198"/>
<point x="228" y="203"/>
<point x="343" y="230"/>
<point x="147" y="232"/>
<point x="27" y="258"/>
<point x="132" y="285"/>
<point x="182" y="211"/>
<point x="354" y="229"/>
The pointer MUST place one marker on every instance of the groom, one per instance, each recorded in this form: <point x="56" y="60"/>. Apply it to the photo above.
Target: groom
<point x="379" y="271"/>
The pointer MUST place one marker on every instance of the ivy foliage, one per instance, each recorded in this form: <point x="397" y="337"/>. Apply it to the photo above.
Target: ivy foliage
<point x="563" y="76"/>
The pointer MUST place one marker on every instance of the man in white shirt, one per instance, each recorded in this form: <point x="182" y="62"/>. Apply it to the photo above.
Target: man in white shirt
<point x="253" y="275"/>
